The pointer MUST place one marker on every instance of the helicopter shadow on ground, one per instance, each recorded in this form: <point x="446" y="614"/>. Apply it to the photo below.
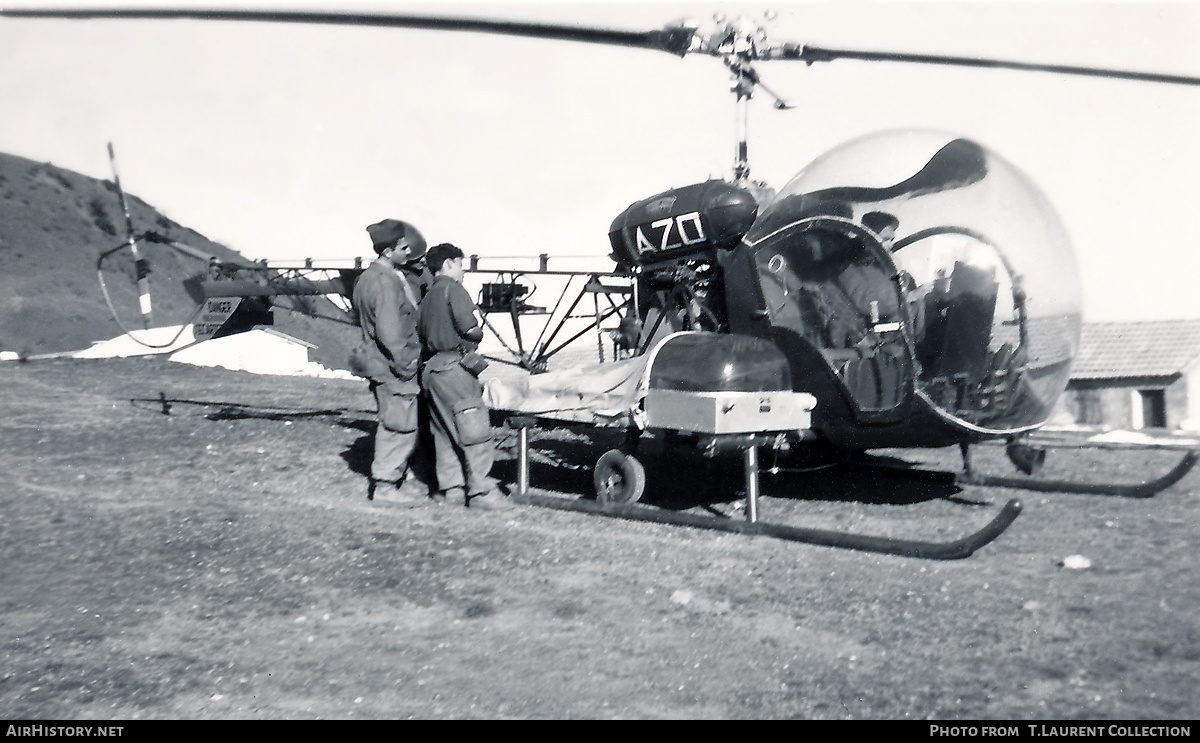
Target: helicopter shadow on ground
<point x="889" y="481"/>
<point x="556" y="463"/>
<point x="680" y="481"/>
<point x="357" y="455"/>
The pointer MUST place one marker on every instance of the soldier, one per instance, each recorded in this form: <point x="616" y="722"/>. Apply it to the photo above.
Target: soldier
<point x="386" y="298"/>
<point x="462" y="432"/>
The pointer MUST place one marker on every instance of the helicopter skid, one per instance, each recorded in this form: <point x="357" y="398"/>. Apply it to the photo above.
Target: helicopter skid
<point x="1130" y="490"/>
<point x="621" y="506"/>
<point x="971" y="477"/>
<point x="953" y="550"/>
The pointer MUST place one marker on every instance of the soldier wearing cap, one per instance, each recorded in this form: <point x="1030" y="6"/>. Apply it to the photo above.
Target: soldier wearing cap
<point x="386" y="299"/>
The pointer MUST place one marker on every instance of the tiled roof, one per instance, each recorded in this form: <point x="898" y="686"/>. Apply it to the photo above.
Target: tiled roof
<point x="1051" y="338"/>
<point x="1115" y="350"/>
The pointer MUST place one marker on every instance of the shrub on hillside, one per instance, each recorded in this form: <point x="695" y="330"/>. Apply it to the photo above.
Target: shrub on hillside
<point x="100" y="217"/>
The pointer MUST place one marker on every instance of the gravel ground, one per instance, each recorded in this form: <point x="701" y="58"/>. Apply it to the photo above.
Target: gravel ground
<point x="219" y="560"/>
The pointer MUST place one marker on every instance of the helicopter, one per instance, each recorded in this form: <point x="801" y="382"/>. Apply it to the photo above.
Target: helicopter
<point x="883" y="279"/>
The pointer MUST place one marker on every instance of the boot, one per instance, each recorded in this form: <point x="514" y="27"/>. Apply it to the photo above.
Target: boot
<point x="382" y="491"/>
<point x="491" y="500"/>
<point x="414" y="488"/>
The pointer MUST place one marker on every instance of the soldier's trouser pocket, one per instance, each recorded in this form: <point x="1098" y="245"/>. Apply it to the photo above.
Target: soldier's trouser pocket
<point x="397" y="412"/>
<point x="472" y="422"/>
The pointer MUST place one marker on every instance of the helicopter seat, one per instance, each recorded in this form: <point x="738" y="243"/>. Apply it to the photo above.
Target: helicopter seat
<point x="876" y="381"/>
<point x="999" y="385"/>
<point x="970" y="307"/>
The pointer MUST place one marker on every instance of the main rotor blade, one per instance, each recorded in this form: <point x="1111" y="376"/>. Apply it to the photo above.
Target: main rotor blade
<point x="811" y="54"/>
<point x="676" y="40"/>
<point x="673" y="39"/>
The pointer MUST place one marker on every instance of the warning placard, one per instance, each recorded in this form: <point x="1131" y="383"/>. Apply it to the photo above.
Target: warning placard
<point x="213" y="317"/>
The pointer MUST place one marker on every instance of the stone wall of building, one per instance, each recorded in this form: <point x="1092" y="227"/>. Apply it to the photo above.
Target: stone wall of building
<point x="1117" y="403"/>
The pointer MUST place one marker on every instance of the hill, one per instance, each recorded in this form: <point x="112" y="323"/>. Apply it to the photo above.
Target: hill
<point x="55" y="224"/>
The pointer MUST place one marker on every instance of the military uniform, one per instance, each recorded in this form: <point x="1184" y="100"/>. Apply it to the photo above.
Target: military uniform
<point x="387" y="306"/>
<point x="459" y="419"/>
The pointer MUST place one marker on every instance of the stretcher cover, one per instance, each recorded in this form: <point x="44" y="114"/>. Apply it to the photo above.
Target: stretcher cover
<point x="597" y="393"/>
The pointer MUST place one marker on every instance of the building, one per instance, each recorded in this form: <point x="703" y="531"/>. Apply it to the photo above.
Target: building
<point x="258" y="351"/>
<point x="1137" y="375"/>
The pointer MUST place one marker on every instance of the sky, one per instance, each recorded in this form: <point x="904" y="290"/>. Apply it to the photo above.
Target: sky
<point x="283" y="142"/>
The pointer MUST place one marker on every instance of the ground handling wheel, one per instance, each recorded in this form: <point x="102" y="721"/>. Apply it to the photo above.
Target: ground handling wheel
<point x="619" y="478"/>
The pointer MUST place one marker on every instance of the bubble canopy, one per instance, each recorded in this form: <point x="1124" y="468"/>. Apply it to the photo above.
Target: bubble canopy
<point x="979" y="303"/>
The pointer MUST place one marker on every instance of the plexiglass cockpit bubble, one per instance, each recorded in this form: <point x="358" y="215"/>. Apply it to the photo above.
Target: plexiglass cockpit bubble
<point x="978" y="268"/>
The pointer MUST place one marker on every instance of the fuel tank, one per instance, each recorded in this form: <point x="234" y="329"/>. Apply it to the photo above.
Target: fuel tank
<point x="686" y="223"/>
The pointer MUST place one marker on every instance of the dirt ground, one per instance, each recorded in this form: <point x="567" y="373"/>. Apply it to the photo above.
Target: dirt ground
<point x="215" y="557"/>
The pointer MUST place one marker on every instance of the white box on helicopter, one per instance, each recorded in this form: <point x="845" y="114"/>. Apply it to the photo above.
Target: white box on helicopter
<point x="729" y="411"/>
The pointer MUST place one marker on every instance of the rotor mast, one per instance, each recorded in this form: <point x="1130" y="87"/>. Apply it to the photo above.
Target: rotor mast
<point x="738" y="43"/>
<point x="743" y="90"/>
